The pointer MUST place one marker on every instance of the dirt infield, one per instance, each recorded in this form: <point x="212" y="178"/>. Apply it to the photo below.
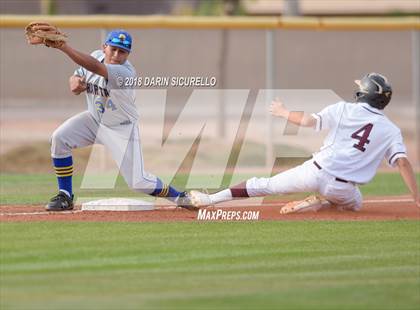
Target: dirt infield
<point x="373" y="209"/>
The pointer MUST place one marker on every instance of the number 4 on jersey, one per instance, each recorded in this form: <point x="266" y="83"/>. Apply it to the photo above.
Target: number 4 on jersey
<point x="362" y="135"/>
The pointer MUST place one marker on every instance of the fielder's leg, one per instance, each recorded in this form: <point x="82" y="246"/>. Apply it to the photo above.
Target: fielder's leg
<point x="125" y="146"/>
<point x="78" y="131"/>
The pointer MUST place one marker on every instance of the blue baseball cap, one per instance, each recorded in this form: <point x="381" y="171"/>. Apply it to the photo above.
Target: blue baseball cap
<point x="119" y="38"/>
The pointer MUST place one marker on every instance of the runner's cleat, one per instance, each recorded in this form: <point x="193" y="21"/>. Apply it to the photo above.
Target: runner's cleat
<point x="200" y="199"/>
<point x="311" y="203"/>
<point x="184" y="201"/>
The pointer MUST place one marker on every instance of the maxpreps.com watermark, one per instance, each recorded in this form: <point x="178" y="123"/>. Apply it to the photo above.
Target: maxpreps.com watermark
<point x="166" y="81"/>
<point x="224" y="215"/>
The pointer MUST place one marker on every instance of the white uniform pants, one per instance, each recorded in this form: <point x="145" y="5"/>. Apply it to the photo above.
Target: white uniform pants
<point x="123" y="141"/>
<point x="308" y="178"/>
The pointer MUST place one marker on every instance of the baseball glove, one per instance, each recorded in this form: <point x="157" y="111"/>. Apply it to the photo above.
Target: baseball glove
<point x="45" y="33"/>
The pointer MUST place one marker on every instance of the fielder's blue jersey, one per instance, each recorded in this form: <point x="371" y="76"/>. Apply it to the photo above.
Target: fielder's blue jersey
<point x="108" y="101"/>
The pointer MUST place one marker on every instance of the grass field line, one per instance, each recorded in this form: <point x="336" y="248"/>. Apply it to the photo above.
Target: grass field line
<point x="280" y="283"/>
<point x="284" y="286"/>
<point x="180" y="264"/>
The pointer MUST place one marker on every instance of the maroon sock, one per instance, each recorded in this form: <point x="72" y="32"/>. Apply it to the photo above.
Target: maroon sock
<point x="239" y="191"/>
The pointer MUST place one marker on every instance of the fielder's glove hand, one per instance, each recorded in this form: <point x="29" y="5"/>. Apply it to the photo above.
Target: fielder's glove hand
<point x="45" y="33"/>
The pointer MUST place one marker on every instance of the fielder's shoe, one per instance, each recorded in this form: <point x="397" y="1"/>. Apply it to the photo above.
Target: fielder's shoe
<point x="61" y="202"/>
<point x="311" y="203"/>
<point x="184" y="201"/>
<point x="200" y="199"/>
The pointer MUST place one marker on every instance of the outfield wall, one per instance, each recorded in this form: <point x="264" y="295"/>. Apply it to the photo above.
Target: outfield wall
<point x="309" y="53"/>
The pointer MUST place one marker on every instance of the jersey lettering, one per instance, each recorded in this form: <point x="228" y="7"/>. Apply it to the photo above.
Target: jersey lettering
<point x="100" y="106"/>
<point x="96" y="90"/>
<point x="110" y="105"/>
<point x="362" y="135"/>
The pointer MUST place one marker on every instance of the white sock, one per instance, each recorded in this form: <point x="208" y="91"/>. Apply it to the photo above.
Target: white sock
<point x="221" y="196"/>
<point x="65" y="192"/>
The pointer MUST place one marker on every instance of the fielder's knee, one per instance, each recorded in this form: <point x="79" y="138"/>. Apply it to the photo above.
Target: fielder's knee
<point x="59" y="148"/>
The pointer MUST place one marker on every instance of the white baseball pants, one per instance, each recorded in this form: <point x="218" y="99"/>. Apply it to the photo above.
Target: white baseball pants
<point x="308" y="178"/>
<point x="123" y="141"/>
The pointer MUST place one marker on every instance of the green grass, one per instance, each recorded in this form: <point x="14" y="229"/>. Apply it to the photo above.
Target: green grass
<point x="38" y="188"/>
<point x="253" y="265"/>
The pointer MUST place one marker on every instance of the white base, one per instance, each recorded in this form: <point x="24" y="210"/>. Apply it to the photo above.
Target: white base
<point x="118" y="204"/>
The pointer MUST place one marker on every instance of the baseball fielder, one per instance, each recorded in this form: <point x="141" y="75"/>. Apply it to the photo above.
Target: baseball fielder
<point x="359" y="137"/>
<point x="111" y="119"/>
